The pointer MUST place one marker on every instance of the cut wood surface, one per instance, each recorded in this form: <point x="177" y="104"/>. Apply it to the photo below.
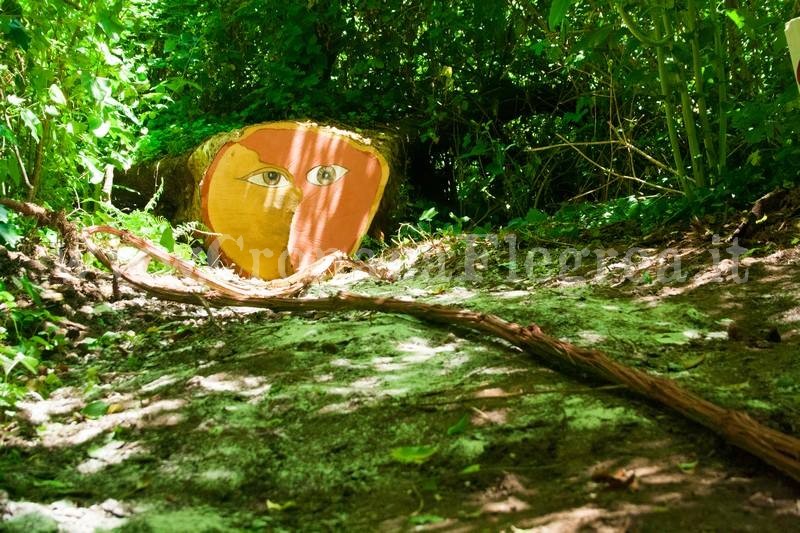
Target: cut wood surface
<point x="285" y="194"/>
<point x="179" y="177"/>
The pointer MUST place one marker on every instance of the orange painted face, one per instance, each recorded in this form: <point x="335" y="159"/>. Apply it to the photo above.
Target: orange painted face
<point x="285" y="194"/>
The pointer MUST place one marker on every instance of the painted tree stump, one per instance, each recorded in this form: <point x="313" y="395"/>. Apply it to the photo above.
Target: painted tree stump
<point x="286" y="194"/>
<point x="276" y="196"/>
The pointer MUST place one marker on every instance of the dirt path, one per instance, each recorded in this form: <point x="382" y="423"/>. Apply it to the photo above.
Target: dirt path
<point x="258" y="421"/>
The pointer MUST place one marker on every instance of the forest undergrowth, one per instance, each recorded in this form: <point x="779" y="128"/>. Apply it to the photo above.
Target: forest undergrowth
<point x="147" y="415"/>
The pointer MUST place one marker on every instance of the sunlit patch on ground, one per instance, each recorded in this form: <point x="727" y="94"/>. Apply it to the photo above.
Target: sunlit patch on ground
<point x="496" y="416"/>
<point x="61" y="402"/>
<point x="619" y="519"/>
<point x="246" y="386"/>
<point x="420" y="350"/>
<point x="591" y="337"/>
<point x="454" y="295"/>
<point x="112" y="453"/>
<point x="63" y="516"/>
<point x="155" y="414"/>
<point x="159" y="383"/>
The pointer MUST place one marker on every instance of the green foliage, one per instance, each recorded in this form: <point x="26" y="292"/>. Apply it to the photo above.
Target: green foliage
<point x="479" y="84"/>
<point x="488" y="94"/>
<point x="178" y="240"/>
<point x="428" y="226"/>
<point x="70" y="93"/>
<point x="95" y="409"/>
<point x="557" y="12"/>
<point x="10" y="233"/>
<point x="28" y="333"/>
<point x="413" y="454"/>
<point x="641" y="215"/>
<point x="422" y="519"/>
<point x="459" y="427"/>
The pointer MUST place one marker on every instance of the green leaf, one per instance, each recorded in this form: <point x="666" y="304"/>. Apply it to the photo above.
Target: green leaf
<point x="459" y="427"/>
<point x="102" y="309"/>
<point x="31" y="290"/>
<point x="422" y="519"/>
<point x="15" y="32"/>
<point x="735" y="17"/>
<point x="695" y="315"/>
<point x="30" y="363"/>
<point x="178" y="84"/>
<point x="413" y="454"/>
<point x="275" y="506"/>
<point x="671" y="338"/>
<point x="7" y="134"/>
<point x="9" y="234"/>
<point x="108" y="56"/>
<point x="8" y="364"/>
<point x="472" y="469"/>
<point x="534" y="216"/>
<point x="57" y="96"/>
<point x="167" y="238"/>
<point x="170" y="44"/>
<point x="128" y="112"/>
<point x="558" y="10"/>
<point x="95" y="409"/>
<point x="101" y="89"/>
<point x="31" y="121"/>
<point x="110" y="24"/>
<point x="95" y="174"/>
<point x="52" y="485"/>
<point x="690" y="362"/>
<point x="428" y="215"/>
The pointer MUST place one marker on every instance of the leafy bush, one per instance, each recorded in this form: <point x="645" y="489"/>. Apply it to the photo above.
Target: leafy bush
<point x="27" y="335"/>
<point x="505" y="106"/>
<point x="477" y="85"/>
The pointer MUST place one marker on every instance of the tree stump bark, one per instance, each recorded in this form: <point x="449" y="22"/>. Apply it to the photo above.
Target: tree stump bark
<point x="278" y="195"/>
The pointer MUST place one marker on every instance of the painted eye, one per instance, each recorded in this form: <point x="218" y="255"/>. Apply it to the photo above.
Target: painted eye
<point x="268" y="178"/>
<point x="325" y="174"/>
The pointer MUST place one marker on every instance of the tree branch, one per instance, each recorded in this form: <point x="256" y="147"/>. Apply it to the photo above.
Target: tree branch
<point x="15" y="148"/>
<point x="616" y="174"/>
<point x="637" y="31"/>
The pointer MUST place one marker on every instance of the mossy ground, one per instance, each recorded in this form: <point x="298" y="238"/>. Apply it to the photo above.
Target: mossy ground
<point x="362" y="421"/>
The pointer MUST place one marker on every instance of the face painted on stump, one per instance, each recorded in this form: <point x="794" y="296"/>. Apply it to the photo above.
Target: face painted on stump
<point x="289" y="193"/>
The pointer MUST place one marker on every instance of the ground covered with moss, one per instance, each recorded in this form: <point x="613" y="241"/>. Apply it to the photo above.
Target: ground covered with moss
<point x="168" y="419"/>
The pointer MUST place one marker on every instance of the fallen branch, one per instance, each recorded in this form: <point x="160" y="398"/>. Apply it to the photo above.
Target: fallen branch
<point x="773" y="447"/>
<point x="54" y="219"/>
<point x="289" y="286"/>
<point x="767" y="203"/>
